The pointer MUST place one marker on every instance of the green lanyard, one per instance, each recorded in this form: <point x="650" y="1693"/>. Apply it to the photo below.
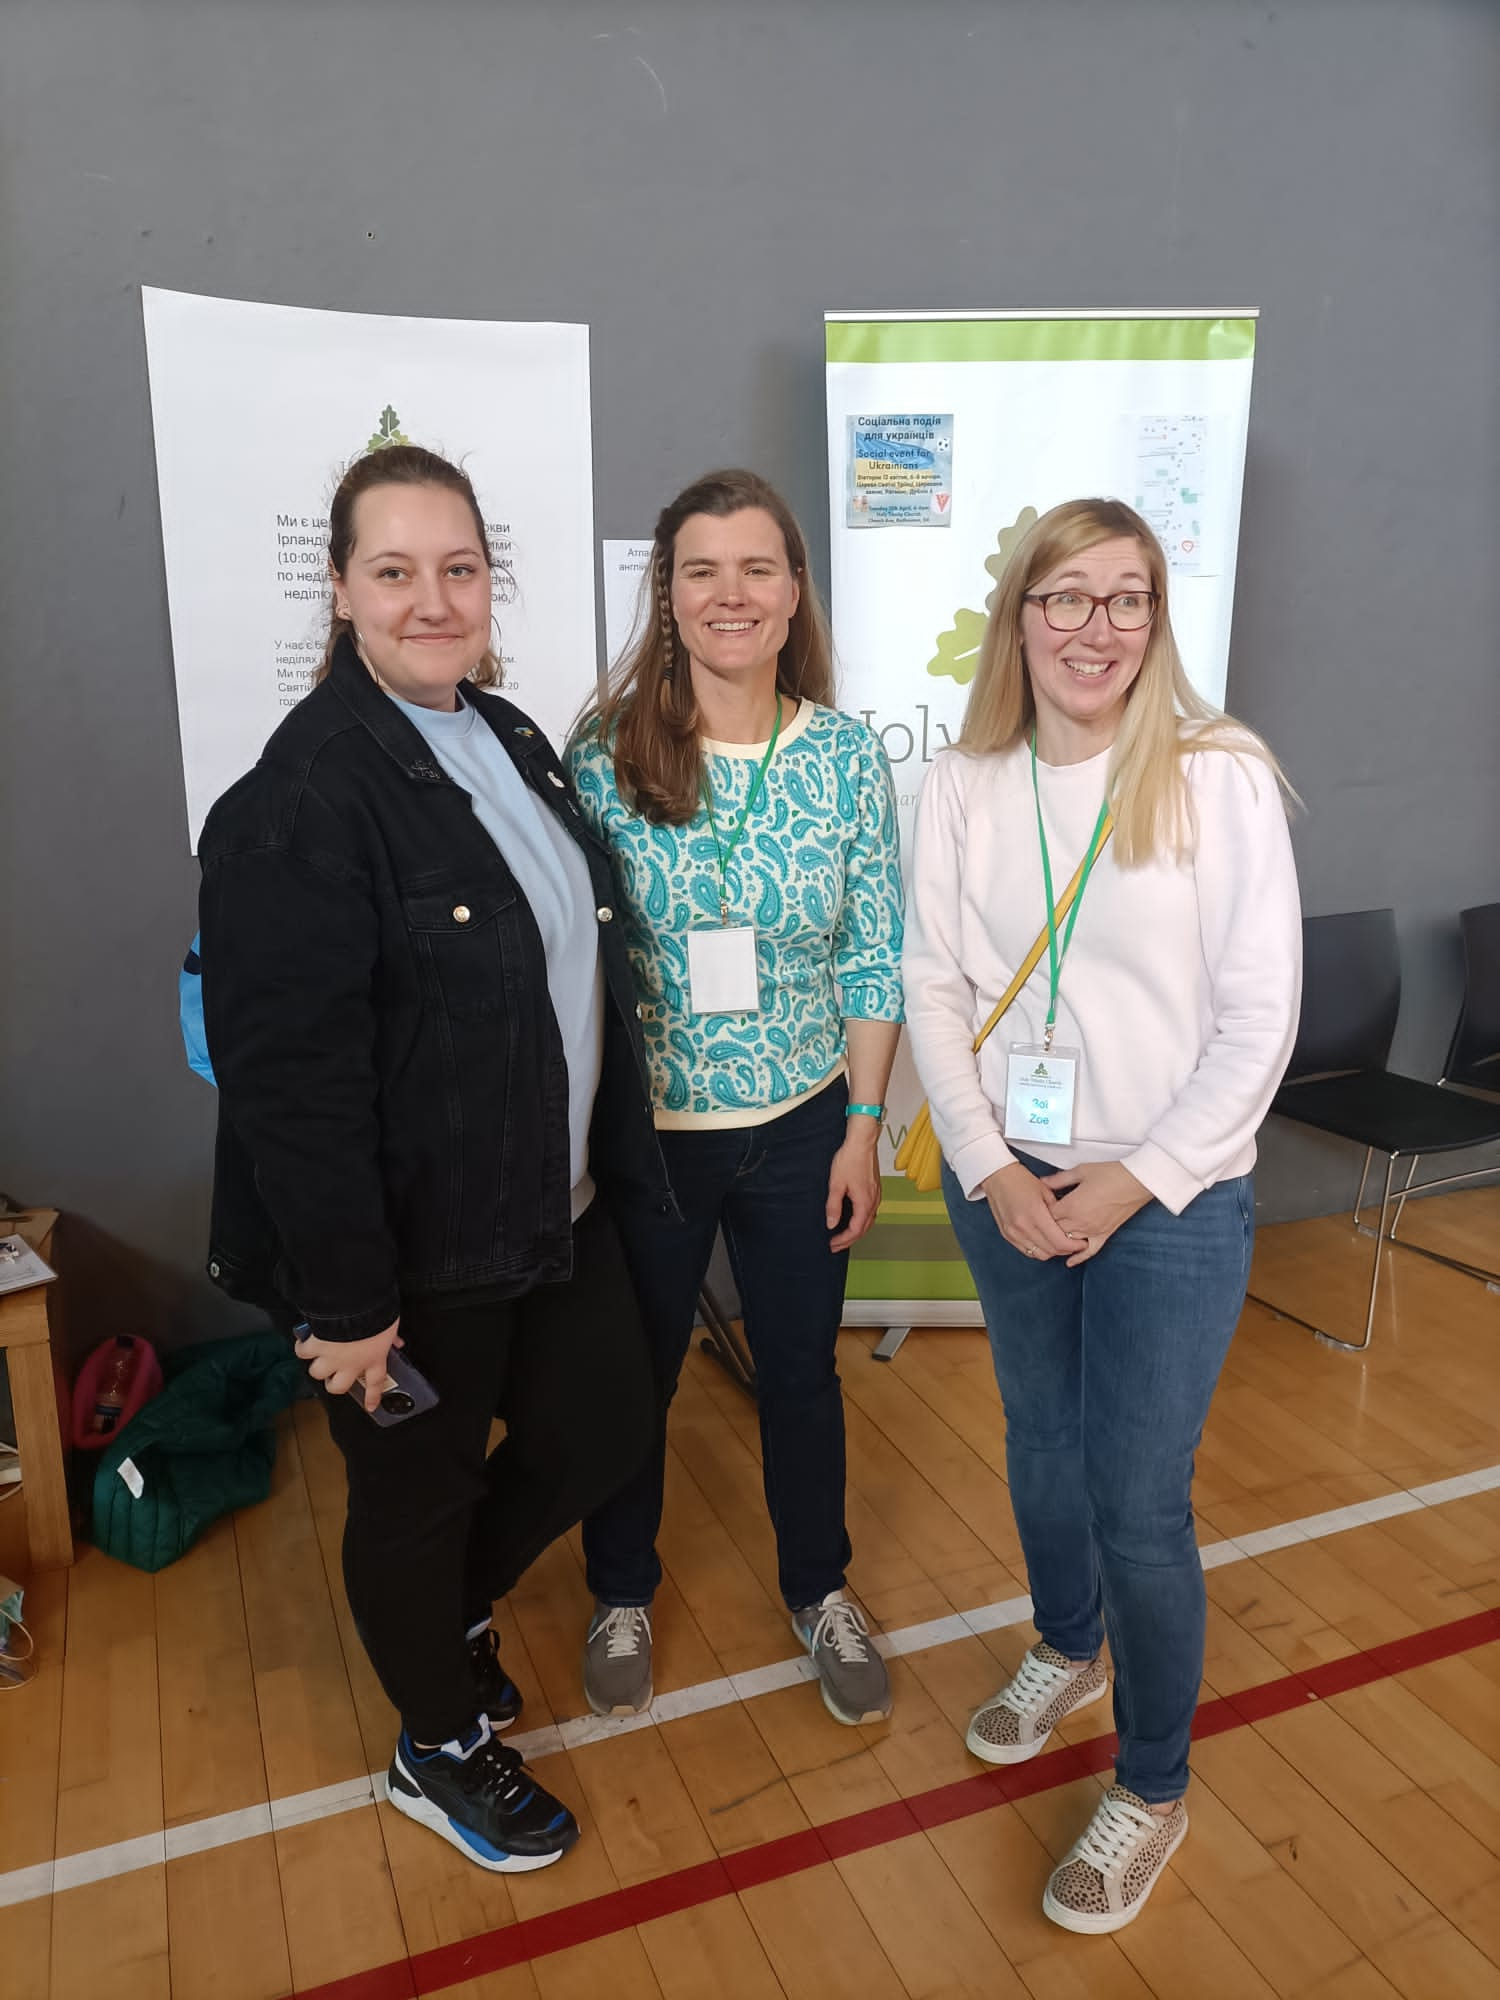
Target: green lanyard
<point x="726" y="854"/>
<point x="1055" y="956"/>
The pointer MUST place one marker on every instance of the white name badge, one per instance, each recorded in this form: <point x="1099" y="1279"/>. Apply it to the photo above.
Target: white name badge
<point x="722" y="976"/>
<point x="1039" y="1088"/>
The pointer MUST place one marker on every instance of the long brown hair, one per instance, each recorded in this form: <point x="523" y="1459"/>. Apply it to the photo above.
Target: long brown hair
<point x="649" y="713"/>
<point x="395" y="465"/>
<point x="1147" y="786"/>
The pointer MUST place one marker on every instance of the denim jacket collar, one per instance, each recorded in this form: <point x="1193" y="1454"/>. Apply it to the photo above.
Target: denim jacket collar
<point x="529" y="751"/>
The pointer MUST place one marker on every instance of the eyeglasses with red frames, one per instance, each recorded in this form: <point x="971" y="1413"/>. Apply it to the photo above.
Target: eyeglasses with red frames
<point x="1071" y="610"/>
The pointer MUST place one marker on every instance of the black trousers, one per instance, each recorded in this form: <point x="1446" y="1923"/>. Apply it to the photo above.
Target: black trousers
<point x="438" y="1526"/>
<point x="768" y="1187"/>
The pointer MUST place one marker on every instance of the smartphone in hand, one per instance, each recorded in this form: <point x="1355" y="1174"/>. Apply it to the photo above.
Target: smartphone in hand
<point x="407" y="1391"/>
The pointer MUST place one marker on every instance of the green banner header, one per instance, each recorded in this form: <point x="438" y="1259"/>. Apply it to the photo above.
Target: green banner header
<point x="1164" y="339"/>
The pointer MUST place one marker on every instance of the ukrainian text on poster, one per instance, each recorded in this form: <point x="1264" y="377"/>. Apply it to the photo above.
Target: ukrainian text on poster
<point x="899" y="472"/>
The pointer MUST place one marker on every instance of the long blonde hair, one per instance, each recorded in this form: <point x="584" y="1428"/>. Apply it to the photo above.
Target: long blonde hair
<point x="649" y="713"/>
<point x="1147" y="786"/>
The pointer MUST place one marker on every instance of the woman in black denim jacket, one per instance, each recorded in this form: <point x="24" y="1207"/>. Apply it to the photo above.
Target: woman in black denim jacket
<point x="423" y="1026"/>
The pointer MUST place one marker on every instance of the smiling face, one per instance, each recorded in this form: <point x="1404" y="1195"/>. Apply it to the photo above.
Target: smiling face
<point x="733" y="593"/>
<point x="416" y="587"/>
<point x="1081" y="680"/>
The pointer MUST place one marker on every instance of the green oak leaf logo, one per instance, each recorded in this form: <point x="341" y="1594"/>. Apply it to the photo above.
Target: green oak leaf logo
<point x="957" y="652"/>
<point x="957" y="655"/>
<point x="388" y="431"/>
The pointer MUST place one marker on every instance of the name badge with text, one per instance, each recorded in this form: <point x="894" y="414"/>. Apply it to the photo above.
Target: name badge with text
<point x="722" y="975"/>
<point x="1039" y="1089"/>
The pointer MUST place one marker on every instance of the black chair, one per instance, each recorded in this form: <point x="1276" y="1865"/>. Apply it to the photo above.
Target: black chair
<point x="1337" y="1080"/>
<point x="1473" y="1059"/>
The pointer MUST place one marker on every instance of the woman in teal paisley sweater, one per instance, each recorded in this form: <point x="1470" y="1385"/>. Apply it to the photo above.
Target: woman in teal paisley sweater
<point x="753" y="831"/>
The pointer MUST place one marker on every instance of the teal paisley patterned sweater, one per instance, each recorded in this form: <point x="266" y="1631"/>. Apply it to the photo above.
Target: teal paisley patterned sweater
<point x="818" y="874"/>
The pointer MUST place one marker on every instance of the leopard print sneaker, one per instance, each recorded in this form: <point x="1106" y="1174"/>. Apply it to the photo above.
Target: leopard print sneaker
<point x="1103" y="1881"/>
<point x="1047" y="1686"/>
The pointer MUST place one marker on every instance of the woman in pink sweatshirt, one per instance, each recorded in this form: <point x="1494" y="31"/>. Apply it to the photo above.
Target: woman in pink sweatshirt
<point x="1098" y="1146"/>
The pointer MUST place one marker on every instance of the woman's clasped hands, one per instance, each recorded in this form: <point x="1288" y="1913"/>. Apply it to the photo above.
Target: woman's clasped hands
<point x="1070" y="1214"/>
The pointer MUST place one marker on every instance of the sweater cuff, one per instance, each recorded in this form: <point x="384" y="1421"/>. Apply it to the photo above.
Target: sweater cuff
<point x="871" y="1000"/>
<point x="1161" y="1176"/>
<point x="973" y="1164"/>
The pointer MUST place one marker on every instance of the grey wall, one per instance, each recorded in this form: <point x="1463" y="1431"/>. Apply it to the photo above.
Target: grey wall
<point x="699" y="180"/>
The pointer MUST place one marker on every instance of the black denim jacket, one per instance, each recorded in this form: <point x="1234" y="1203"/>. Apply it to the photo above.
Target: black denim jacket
<point x="393" y="1095"/>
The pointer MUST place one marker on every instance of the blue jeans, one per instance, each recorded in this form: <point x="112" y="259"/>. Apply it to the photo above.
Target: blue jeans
<point x="1106" y="1373"/>
<point x="767" y="1186"/>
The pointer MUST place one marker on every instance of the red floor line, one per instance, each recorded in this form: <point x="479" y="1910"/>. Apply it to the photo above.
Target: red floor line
<point x="430" y="1972"/>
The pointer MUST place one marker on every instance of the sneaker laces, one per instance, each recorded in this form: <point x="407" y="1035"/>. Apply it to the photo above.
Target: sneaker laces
<point x="623" y="1630"/>
<point x="842" y="1626"/>
<point x="501" y="1774"/>
<point x="1033" y="1685"/>
<point x="1117" y="1827"/>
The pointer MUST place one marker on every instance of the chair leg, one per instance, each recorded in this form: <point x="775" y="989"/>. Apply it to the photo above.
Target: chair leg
<point x="1411" y="1186"/>
<point x="1321" y="1333"/>
<point x="1411" y="1174"/>
<point x="1359" y="1346"/>
<point x="1359" y="1199"/>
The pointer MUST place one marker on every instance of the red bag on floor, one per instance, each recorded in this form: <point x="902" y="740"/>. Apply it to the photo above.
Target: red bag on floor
<point x="119" y="1377"/>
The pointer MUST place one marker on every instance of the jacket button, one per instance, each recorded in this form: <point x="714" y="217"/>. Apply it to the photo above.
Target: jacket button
<point x="460" y="913"/>
<point x="554" y="779"/>
<point x="213" y="1270"/>
<point x="640" y="1012"/>
<point x="605" y="914"/>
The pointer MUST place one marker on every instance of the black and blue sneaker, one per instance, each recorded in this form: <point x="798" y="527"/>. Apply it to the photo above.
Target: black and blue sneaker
<point x="480" y="1797"/>
<point x="499" y="1697"/>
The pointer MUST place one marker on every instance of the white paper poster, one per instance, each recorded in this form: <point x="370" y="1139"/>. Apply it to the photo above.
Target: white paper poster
<point x="625" y="605"/>
<point x="257" y="411"/>
<point x="1024" y="410"/>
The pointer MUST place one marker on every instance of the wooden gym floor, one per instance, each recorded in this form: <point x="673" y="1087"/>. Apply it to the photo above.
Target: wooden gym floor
<point x="186" y="1804"/>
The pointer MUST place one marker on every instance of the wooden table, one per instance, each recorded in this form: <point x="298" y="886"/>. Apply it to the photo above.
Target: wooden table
<point x="25" y="1337"/>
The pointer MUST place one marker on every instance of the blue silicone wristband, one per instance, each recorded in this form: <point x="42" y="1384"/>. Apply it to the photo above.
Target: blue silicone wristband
<point x="864" y="1111"/>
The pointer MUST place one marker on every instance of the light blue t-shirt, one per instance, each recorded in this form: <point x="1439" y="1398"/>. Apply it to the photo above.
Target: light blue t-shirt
<point x="554" y="879"/>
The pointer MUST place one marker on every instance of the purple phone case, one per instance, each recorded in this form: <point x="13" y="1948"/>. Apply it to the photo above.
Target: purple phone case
<point x="407" y="1376"/>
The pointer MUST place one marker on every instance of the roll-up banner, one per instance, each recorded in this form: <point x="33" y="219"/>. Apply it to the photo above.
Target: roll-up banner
<point x="948" y="433"/>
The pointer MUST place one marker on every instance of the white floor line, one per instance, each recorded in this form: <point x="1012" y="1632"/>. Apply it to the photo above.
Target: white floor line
<point x="124" y="1857"/>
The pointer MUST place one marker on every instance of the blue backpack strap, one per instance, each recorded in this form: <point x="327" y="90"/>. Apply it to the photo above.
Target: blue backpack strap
<point x="190" y="1013"/>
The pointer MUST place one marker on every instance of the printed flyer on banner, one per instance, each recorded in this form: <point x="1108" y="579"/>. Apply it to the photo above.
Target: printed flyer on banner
<point x="900" y="472"/>
<point x="1030" y="409"/>
<point x="258" y="409"/>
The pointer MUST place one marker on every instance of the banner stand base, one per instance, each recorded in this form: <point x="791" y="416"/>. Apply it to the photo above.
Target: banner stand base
<point x="889" y="1343"/>
<point x="892" y="1312"/>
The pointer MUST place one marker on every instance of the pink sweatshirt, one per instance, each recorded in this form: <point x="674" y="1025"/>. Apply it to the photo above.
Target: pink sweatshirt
<point x="1181" y="986"/>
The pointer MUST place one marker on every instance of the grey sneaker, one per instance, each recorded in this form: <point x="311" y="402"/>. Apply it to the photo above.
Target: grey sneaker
<point x="856" y="1687"/>
<point x="617" y="1659"/>
<point x="1046" y="1687"/>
